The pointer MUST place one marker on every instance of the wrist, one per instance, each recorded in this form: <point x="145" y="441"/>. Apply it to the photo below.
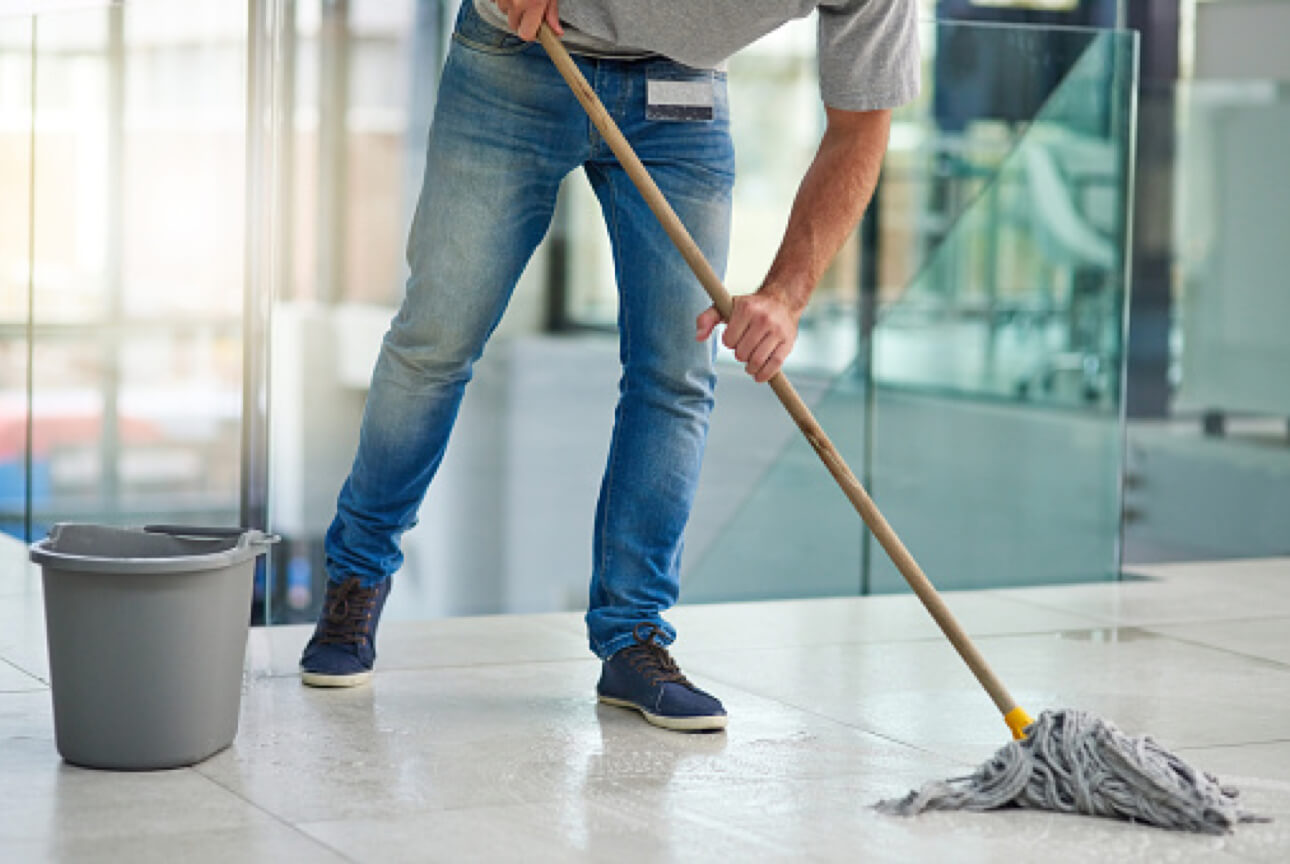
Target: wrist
<point x="791" y="293"/>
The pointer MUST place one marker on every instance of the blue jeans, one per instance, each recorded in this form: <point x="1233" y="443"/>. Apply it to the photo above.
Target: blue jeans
<point x="506" y="129"/>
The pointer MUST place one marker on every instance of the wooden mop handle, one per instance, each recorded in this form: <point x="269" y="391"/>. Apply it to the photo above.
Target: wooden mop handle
<point x="801" y="414"/>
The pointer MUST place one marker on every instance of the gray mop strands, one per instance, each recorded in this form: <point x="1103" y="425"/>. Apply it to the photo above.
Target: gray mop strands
<point x="1073" y="762"/>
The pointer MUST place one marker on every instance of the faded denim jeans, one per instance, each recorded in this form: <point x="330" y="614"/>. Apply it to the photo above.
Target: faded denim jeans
<point x="506" y="129"/>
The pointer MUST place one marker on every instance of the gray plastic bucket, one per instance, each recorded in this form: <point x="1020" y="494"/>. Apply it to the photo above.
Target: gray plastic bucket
<point x="147" y="636"/>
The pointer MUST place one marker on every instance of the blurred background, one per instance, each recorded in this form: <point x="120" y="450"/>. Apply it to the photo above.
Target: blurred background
<point x="1055" y="348"/>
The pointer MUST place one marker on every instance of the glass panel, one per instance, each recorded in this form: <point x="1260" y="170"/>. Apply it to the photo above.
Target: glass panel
<point x="1024" y="292"/>
<point x="992" y="437"/>
<point x="1211" y="478"/>
<point x="998" y="415"/>
<point x="138" y="280"/>
<point x="16" y="39"/>
<point x="353" y="93"/>
<point x="506" y="527"/>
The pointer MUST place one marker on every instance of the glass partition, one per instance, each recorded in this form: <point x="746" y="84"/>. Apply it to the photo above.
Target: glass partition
<point x="1024" y="291"/>
<point x="506" y="526"/>
<point x="221" y="195"/>
<point x="987" y="420"/>
<point x="1210" y="477"/>
<point x="18" y="483"/>
<point x="989" y="324"/>
<point x="352" y="96"/>
<point x="134" y="270"/>
<point x="201" y="239"/>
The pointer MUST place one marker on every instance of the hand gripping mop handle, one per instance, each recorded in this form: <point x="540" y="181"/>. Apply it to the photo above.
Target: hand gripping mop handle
<point x="1016" y="718"/>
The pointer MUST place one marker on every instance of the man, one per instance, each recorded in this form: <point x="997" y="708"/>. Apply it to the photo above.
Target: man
<point x="506" y="130"/>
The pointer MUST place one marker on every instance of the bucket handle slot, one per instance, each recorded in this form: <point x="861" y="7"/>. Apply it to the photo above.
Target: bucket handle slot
<point x="214" y="532"/>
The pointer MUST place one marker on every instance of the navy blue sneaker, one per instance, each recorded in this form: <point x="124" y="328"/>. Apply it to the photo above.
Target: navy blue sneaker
<point x="343" y="647"/>
<point x="645" y="677"/>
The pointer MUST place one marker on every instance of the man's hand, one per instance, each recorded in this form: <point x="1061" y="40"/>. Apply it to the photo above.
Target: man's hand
<point x="526" y="16"/>
<point x="761" y="332"/>
<point x="833" y="195"/>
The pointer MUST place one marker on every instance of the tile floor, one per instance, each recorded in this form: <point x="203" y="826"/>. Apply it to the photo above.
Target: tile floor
<point x="478" y="740"/>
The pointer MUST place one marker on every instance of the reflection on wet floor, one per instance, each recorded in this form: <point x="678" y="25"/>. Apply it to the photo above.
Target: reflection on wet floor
<point x="481" y="739"/>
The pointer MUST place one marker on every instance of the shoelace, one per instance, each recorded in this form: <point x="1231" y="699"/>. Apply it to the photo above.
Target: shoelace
<point x="349" y="609"/>
<point x="651" y="659"/>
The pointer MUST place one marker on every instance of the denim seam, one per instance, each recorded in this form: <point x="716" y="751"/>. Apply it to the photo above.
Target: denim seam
<point x="595" y="140"/>
<point x="625" y="96"/>
<point x="626" y="348"/>
<point x="495" y="50"/>
<point x="725" y="178"/>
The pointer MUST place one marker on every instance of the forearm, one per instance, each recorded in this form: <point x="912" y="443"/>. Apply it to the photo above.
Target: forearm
<point x="829" y="203"/>
<point x="833" y="196"/>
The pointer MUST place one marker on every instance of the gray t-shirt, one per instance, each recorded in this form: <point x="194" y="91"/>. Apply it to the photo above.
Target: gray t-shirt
<point x="574" y="40"/>
<point x="868" y="49"/>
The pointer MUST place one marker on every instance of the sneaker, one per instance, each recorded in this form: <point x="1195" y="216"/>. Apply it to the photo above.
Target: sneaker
<point x="645" y="677"/>
<point x="343" y="647"/>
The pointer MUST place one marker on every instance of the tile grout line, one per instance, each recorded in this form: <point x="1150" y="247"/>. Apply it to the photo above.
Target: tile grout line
<point x="294" y="828"/>
<point x="1234" y="746"/>
<point x="1280" y="664"/>
<point x="723" y="683"/>
<point x="447" y="667"/>
<point x="1089" y="616"/>
<point x="590" y="658"/>
<point x="1094" y="625"/>
<point x="29" y="674"/>
<point x="1113" y="622"/>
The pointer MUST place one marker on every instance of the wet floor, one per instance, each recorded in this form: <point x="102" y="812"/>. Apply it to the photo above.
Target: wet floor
<point x="479" y="739"/>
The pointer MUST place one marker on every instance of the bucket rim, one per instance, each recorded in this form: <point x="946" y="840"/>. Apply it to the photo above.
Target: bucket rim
<point x="251" y="543"/>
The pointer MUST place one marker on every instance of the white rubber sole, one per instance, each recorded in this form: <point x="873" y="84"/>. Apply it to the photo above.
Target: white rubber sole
<point x="711" y="723"/>
<point x="316" y="679"/>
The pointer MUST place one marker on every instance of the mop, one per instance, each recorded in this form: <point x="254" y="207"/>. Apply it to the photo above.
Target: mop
<point x="1066" y="760"/>
<point x="1073" y="762"/>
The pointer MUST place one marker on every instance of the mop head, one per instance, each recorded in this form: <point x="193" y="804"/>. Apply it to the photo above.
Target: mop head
<point x="1072" y="762"/>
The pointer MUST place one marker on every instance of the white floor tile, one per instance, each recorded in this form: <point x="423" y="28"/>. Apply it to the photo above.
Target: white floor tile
<point x="446" y="642"/>
<point x="1266" y="638"/>
<point x="13" y="679"/>
<point x="19" y="578"/>
<point x="565" y="831"/>
<point x="64" y="810"/>
<point x="265" y="840"/>
<point x="923" y="695"/>
<point x="1177" y="593"/>
<point x="22" y="635"/>
<point x="886" y="618"/>
<point x="1260" y="763"/>
<point x="480" y="739"/>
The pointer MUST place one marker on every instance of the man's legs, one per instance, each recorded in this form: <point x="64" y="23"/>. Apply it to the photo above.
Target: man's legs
<point x="504" y="133"/>
<point x="666" y="388"/>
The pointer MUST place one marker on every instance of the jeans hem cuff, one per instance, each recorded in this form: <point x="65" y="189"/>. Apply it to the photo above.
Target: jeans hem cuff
<point x="608" y="649"/>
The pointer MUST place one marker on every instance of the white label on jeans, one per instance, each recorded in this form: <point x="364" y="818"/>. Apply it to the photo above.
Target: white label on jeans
<point x="679" y="100"/>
